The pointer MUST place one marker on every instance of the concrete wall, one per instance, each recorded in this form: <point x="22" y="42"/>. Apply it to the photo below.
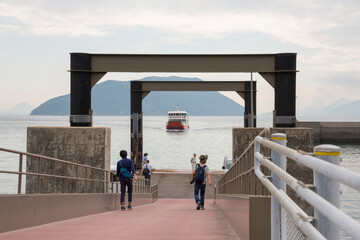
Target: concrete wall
<point x="177" y="185"/>
<point x="83" y="145"/>
<point x="298" y="139"/>
<point x="21" y="211"/>
<point x="249" y="216"/>
<point x="334" y="132"/>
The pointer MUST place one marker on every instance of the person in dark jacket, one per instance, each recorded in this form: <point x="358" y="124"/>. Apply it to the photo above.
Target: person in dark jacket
<point x="126" y="176"/>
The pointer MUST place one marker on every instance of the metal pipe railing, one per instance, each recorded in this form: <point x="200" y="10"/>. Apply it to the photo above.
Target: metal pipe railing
<point x="240" y="178"/>
<point x="104" y="180"/>
<point x="301" y="218"/>
<point x="337" y="173"/>
<point x="326" y="208"/>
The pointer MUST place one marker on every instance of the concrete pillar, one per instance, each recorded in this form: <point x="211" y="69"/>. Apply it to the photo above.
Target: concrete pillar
<point x="83" y="145"/>
<point x="80" y="90"/>
<point x="285" y="90"/>
<point x="136" y="137"/>
<point x="327" y="188"/>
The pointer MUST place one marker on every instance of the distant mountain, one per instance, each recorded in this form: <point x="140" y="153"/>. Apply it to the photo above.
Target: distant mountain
<point x="341" y="108"/>
<point x="113" y="98"/>
<point x="21" y="109"/>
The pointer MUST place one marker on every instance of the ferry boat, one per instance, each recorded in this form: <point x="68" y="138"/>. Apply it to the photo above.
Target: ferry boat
<point x="178" y="120"/>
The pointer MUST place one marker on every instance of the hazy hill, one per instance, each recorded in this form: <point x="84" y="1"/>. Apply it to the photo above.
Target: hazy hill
<point x="341" y="108"/>
<point x="22" y="109"/>
<point x="113" y="98"/>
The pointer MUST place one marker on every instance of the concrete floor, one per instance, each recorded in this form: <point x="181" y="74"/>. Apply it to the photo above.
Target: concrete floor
<point x="164" y="219"/>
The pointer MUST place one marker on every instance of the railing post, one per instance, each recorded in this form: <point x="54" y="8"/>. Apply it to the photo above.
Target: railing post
<point x="53" y="179"/>
<point x="107" y="183"/>
<point x="86" y="181"/>
<point x="327" y="188"/>
<point x="20" y="171"/>
<point x="256" y="149"/>
<point x="77" y="179"/>
<point x="38" y="177"/>
<point x="67" y="178"/>
<point x="280" y="161"/>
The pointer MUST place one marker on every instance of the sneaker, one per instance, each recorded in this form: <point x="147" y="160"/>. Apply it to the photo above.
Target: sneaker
<point x="198" y="206"/>
<point x="123" y="208"/>
<point x="202" y="208"/>
<point x="129" y="207"/>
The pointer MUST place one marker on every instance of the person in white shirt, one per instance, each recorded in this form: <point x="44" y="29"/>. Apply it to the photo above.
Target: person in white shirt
<point x="147" y="173"/>
<point x="193" y="162"/>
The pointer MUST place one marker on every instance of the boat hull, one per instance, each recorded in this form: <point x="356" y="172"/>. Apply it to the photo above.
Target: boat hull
<point x="177" y="126"/>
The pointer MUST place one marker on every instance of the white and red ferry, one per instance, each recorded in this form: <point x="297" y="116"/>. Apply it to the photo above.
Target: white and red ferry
<point x="178" y="120"/>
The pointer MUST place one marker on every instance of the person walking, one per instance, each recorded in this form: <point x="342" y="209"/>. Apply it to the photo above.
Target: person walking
<point x="125" y="170"/>
<point x="144" y="158"/>
<point x="199" y="175"/>
<point x="193" y="162"/>
<point x="147" y="169"/>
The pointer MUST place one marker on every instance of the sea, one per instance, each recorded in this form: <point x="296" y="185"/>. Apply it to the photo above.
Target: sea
<point x="210" y="135"/>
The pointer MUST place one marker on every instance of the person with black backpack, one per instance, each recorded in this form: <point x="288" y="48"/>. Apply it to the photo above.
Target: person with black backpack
<point x="125" y="170"/>
<point x="199" y="176"/>
<point x="147" y="169"/>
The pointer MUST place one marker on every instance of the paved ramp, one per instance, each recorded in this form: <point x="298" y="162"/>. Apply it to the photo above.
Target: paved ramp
<point x="165" y="219"/>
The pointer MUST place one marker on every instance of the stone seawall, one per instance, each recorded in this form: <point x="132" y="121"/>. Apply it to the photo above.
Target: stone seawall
<point x="334" y="132"/>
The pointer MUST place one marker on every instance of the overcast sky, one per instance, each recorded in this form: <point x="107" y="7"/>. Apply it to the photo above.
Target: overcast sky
<point x="37" y="36"/>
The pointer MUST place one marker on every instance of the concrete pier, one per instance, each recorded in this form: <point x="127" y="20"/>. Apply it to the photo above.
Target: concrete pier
<point x="334" y="132"/>
<point x="83" y="145"/>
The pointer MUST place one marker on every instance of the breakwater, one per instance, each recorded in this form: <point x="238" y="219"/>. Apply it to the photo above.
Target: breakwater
<point x="334" y="132"/>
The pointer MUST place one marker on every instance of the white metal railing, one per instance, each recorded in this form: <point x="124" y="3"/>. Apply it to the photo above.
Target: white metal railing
<point x="325" y="198"/>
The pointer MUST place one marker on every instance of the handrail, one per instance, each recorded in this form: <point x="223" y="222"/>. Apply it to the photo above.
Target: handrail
<point x="340" y="174"/>
<point x="105" y="178"/>
<point x="52" y="159"/>
<point x="234" y="176"/>
<point x="265" y="131"/>
<point x="301" y="218"/>
<point x="327" y="209"/>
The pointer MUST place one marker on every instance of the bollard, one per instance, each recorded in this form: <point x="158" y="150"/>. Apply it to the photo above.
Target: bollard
<point x="280" y="161"/>
<point x="327" y="188"/>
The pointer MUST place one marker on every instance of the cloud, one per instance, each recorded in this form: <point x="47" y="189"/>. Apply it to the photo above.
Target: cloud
<point x="324" y="33"/>
<point x="324" y="25"/>
<point x="198" y="18"/>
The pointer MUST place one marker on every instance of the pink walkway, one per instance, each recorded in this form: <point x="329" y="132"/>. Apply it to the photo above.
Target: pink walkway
<point x="165" y="219"/>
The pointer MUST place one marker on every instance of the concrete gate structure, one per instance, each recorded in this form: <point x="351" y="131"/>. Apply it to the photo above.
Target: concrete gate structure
<point x="140" y="89"/>
<point x="279" y="70"/>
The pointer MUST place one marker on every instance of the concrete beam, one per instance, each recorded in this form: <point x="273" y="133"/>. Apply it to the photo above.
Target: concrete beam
<point x="183" y="62"/>
<point x="149" y="86"/>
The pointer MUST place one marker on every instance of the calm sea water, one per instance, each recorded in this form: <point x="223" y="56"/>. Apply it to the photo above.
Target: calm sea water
<point x="167" y="150"/>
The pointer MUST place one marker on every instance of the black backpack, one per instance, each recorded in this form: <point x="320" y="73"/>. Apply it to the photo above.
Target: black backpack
<point x="200" y="174"/>
<point x="146" y="171"/>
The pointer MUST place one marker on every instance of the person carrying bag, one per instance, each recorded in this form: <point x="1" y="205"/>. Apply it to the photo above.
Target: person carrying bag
<point x="125" y="170"/>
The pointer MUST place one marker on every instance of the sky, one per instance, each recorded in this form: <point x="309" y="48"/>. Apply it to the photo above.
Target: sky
<point x="37" y="36"/>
